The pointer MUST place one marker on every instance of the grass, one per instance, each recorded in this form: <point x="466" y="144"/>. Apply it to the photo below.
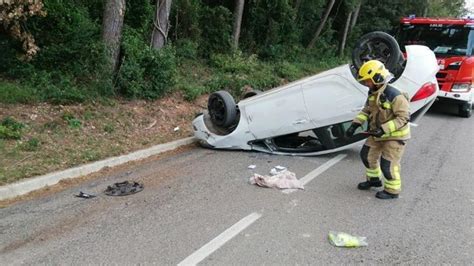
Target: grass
<point x="13" y="92"/>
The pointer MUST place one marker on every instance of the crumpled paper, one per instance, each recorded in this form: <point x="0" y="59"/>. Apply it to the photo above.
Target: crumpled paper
<point x="282" y="180"/>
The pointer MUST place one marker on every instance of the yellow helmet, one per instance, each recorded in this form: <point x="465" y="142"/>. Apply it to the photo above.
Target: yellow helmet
<point x="373" y="70"/>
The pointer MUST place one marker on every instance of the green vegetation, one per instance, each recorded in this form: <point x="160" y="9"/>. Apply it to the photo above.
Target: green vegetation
<point x="61" y="104"/>
<point x="10" y="128"/>
<point x="30" y="145"/>
<point x="72" y="121"/>
<point x="68" y="63"/>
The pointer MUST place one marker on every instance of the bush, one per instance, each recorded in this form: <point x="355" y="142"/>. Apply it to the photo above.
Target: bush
<point x="288" y="71"/>
<point x="187" y="49"/>
<point x="229" y="82"/>
<point x="145" y="72"/>
<point x="11" y="92"/>
<point x="67" y="35"/>
<point x="187" y="26"/>
<point x="10" y="128"/>
<point x="70" y="64"/>
<point x="191" y="92"/>
<point x="59" y="88"/>
<point x="139" y="14"/>
<point x="216" y="34"/>
<point x="262" y="77"/>
<point x="234" y="63"/>
<point x="270" y="28"/>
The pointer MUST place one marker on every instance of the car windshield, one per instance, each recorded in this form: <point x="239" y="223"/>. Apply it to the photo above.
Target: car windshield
<point x="444" y="40"/>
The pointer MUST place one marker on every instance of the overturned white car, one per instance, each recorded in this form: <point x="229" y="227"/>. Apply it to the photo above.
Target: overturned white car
<point x="310" y="116"/>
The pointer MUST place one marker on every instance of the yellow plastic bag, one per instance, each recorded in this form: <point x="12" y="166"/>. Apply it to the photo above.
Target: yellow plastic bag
<point x="340" y="239"/>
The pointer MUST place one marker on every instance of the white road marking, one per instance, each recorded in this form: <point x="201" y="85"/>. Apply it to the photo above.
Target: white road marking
<point x="220" y="240"/>
<point x="311" y="175"/>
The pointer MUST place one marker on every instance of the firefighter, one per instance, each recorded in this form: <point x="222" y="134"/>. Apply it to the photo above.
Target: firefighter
<point x="387" y="114"/>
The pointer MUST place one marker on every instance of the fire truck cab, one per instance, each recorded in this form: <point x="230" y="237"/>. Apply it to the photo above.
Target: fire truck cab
<point x="452" y="41"/>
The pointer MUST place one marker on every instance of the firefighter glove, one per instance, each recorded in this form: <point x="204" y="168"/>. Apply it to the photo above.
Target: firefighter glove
<point x="350" y="131"/>
<point x="377" y="132"/>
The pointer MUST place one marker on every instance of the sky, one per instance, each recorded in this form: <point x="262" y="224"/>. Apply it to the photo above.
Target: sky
<point x="470" y="6"/>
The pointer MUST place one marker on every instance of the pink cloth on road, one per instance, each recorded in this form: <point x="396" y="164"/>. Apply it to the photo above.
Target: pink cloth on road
<point x="284" y="179"/>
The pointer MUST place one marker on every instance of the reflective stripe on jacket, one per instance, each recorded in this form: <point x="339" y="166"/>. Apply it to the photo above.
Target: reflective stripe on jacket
<point x="387" y="108"/>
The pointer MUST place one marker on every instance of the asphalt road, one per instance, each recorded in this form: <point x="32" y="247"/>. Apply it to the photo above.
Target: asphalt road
<point x="198" y="207"/>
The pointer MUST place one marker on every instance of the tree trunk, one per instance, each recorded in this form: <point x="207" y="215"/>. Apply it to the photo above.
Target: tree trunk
<point x="425" y="12"/>
<point x="355" y="15"/>
<point x="344" y="35"/>
<point x="239" y="10"/>
<point x="426" y="5"/>
<point x="297" y="8"/>
<point x="112" y="24"/>
<point x="161" y="24"/>
<point x="321" y="24"/>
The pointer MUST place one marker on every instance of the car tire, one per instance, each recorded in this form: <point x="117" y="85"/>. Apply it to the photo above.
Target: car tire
<point x="380" y="46"/>
<point x="465" y="110"/>
<point x="222" y="109"/>
<point x="251" y="93"/>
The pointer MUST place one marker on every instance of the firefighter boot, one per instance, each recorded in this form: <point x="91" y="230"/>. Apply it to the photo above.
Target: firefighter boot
<point x="385" y="195"/>
<point x="373" y="182"/>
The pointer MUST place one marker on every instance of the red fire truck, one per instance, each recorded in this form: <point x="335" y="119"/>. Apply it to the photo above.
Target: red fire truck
<point x="452" y="40"/>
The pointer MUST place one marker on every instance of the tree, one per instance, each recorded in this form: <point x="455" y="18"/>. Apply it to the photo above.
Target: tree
<point x="13" y="16"/>
<point x="297" y="7"/>
<point x="321" y="24"/>
<point x="159" y="36"/>
<point x="112" y="25"/>
<point x="446" y="8"/>
<point x="345" y="33"/>
<point x="239" y="9"/>
<point x="355" y="15"/>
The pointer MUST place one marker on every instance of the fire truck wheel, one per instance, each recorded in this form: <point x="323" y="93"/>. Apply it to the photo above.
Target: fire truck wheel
<point x="465" y="110"/>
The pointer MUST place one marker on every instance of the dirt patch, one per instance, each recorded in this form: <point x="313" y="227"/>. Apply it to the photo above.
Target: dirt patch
<point x="57" y="137"/>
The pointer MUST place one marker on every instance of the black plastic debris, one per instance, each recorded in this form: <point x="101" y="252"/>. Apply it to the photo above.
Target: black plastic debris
<point x="84" y="195"/>
<point x="123" y="188"/>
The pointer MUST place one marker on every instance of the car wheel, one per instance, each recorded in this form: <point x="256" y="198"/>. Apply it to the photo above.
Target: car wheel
<point x="380" y="46"/>
<point x="465" y="110"/>
<point x="222" y="109"/>
<point x="251" y="93"/>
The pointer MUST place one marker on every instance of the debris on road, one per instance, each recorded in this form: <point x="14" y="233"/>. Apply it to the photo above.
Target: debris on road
<point x="277" y="169"/>
<point x="280" y="168"/>
<point x="340" y="239"/>
<point x="176" y="129"/>
<point x="252" y="166"/>
<point x="282" y="180"/>
<point x="123" y="188"/>
<point x="84" y="195"/>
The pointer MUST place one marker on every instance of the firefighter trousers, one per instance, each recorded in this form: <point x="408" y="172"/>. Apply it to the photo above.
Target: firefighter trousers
<point x="383" y="157"/>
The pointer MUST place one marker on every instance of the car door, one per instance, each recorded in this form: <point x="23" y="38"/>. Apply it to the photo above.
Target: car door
<point x="333" y="98"/>
<point x="278" y="112"/>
